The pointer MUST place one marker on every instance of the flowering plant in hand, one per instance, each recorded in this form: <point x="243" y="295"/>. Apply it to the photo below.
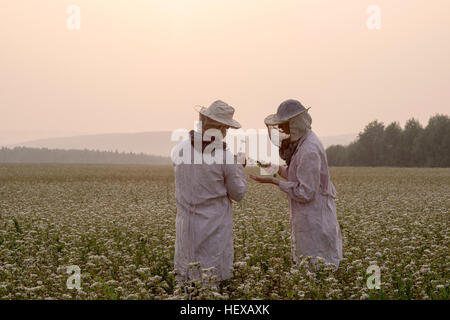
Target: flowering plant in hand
<point x="265" y="166"/>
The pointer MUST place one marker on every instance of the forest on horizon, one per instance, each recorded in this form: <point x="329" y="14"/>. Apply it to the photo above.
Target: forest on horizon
<point x="44" y="155"/>
<point x="393" y="146"/>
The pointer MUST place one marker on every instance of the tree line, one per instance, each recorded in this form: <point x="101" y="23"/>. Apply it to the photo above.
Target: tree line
<point x="392" y="145"/>
<point x="44" y="155"/>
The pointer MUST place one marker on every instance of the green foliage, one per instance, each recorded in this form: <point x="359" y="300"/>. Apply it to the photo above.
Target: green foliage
<point x="17" y="226"/>
<point x="393" y="146"/>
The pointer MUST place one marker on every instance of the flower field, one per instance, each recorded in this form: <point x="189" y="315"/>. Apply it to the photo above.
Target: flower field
<point x="117" y="223"/>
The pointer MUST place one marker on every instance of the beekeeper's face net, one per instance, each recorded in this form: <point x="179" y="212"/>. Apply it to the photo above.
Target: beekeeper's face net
<point x="279" y="132"/>
<point x="293" y="129"/>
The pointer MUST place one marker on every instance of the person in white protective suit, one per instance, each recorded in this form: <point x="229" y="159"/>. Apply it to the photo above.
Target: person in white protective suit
<point x="314" y="227"/>
<point x="207" y="178"/>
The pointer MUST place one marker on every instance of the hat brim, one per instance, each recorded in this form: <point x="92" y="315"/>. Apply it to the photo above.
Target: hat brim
<point x="230" y="123"/>
<point x="273" y="120"/>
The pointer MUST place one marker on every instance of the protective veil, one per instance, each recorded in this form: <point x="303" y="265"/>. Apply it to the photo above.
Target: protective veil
<point x="288" y="141"/>
<point x="204" y="222"/>
<point x="299" y="125"/>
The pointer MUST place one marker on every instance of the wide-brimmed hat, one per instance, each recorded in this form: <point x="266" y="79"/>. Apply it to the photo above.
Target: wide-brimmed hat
<point x="287" y="110"/>
<point x="220" y="112"/>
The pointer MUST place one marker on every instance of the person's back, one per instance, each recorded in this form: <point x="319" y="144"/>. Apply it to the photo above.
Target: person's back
<point x="313" y="144"/>
<point x="205" y="186"/>
<point x="198" y="184"/>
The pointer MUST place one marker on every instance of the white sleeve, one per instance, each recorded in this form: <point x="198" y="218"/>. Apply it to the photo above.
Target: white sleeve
<point x="308" y="179"/>
<point x="235" y="181"/>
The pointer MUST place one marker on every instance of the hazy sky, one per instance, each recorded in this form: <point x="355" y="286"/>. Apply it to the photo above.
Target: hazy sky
<point x="142" y="65"/>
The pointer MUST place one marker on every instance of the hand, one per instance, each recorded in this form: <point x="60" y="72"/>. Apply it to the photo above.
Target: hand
<point x="265" y="179"/>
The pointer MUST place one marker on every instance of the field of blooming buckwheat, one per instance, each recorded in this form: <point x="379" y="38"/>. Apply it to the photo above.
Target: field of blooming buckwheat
<point x="117" y="223"/>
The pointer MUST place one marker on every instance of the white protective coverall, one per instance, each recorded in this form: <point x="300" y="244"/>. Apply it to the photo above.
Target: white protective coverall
<point x="204" y="222"/>
<point x="314" y="227"/>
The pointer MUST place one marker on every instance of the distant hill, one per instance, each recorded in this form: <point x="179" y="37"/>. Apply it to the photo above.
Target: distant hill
<point x="155" y="143"/>
<point x="44" y="155"/>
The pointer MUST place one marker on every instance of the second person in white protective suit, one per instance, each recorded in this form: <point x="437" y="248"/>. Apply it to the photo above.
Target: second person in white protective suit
<point x="314" y="227"/>
<point x="207" y="178"/>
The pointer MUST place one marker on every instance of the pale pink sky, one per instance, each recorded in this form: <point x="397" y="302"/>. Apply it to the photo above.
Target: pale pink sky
<point x="141" y="65"/>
